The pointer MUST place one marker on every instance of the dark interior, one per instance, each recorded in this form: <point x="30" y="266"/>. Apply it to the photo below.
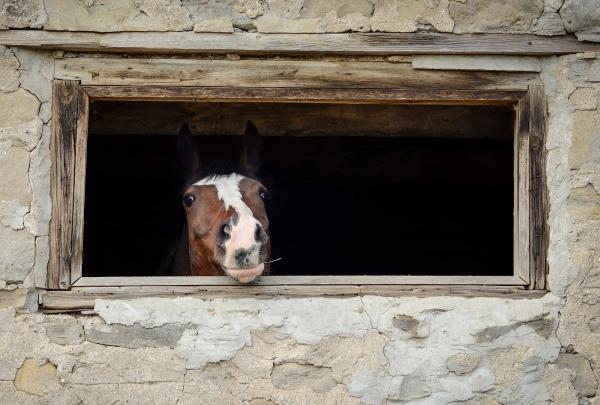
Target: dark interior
<point x="356" y="189"/>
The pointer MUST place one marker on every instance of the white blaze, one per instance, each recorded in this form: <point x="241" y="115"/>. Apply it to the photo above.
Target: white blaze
<point x="242" y="235"/>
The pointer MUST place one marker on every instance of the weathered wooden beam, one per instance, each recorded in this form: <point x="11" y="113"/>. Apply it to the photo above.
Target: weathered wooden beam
<point x="294" y="44"/>
<point x="304" y="95"/>
<point x="300" y="280"/>
<point x="65" y="112"/>
<point x="538" y="191"/>
<point x="292" y="74"/>
<point x="83" y="299"/>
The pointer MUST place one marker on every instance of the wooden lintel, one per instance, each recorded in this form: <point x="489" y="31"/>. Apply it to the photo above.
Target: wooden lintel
<point x="303" y="95"/>
<point x="297" y="44"/>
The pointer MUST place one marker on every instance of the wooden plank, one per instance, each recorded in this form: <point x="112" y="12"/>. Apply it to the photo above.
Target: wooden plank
<point x="538" y="192"/>
<point x="499" y="63"/>
<point x="301" y="280"/>
<point x="79" y="188"/>
<point x="294" y="44"/>
<point x="521" y="191"/>
<point x="65" y="111"/>
<point x="84" y="299"/>
<point x="302" y="95"/>
<point x="280" y="73"/>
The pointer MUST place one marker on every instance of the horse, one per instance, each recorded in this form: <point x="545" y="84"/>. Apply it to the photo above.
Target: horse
<point x="226" y="218"/>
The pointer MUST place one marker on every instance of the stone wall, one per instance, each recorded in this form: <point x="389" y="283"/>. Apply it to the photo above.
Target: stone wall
<point x="541" y="17"/>
<point x="358" y="350"/>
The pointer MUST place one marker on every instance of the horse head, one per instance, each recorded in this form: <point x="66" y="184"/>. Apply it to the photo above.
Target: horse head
<point x="228" y="227"/>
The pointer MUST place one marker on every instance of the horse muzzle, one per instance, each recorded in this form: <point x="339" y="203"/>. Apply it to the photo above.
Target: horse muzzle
<point x="246" y="275"/>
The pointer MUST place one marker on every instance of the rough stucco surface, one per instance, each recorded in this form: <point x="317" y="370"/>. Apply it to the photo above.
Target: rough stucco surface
<point x="295" y="351"/>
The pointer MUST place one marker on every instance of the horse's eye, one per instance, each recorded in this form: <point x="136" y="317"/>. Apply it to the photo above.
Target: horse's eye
<point x="263" y="194"/>
<point x="188" y="199"/>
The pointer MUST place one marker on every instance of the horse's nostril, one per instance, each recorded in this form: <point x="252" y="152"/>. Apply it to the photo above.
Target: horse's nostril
<point x="241" y="257"/>
<point x="259" y="234"/>
<point x="223" y="233"/>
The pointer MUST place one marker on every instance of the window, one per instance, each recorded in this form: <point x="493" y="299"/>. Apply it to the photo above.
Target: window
<point x="464" y="167"/>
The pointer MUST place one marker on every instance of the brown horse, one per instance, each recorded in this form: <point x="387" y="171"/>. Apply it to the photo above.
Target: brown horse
<point x="227" y="224"/>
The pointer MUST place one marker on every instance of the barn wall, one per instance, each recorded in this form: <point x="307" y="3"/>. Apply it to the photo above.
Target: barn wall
<point x="319" y="350"/>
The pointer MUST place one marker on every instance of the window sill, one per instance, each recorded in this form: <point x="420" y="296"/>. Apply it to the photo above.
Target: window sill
<point x="82" y="298"/>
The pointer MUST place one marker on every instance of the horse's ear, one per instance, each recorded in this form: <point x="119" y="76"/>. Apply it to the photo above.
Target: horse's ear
<point x="252" y="149"/>
<point x="188" y="150"/>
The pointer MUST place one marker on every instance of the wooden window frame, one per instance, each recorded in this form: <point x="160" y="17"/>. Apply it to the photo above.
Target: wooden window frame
<point x="70" y="111"/>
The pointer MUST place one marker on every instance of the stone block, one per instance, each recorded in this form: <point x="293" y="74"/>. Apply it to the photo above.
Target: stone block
<point x="585" y="139"/>
<point x="511" y="16"/>
<point x="251" y="365"/>
<point x="252" y="8"/>
<point x="9" y="74"/>
<point x="24" y="135"/>
<point x="488" y="401"/>
<point x="63" y="333"/>
<point x="12" y="213"/>
<point x="584" y="69"/>
<point x="585" y="382"/>
<point x="222" y="24"/>
<point x="13" y="299"/>
<point x="457" y="388"/>
<point x="463" y="363"/>
<point x="117" y="15"/>
<point x="134" y="336"/>
<point x="318" y="8"/>
<point x="16" y="255"/>
<point x="414" y="387"/>
<point x="483" y="62"/>
<point x="372" y="386"/>
<point x="548" y="24"/>
<point x="14" y="184"/>
<point x="275" y="23"/>
<point x="36" y="379"/>
<point x="291" y="376"/>
<point x="405" y="323"/>
<point x="593" y="317"/>
<point x="18" y="107"/>
<point x="202" y="15"/>
<point x="411" y="326"/>
<point x="584" y="204"/>
<point x="411" y="16"/>
<point x="580" y="15"/>
<point x="590" y="34"/>
<point x="542" y="326"/>
<point x="22" y="14"/>
<point x="584" y="98"/>
<point x="355" y="22"/>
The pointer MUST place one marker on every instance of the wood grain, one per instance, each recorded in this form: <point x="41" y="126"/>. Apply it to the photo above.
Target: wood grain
<point x="521" y="245"/>
<point x="297" y="44"/>
<point x="83" y="299"/>
<point x="291" y="74"/>
<point x="538" y="190"/>
<point x="79" y="187"/>
<point x="301" y="280"/>
<point x="65" y="111"/>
